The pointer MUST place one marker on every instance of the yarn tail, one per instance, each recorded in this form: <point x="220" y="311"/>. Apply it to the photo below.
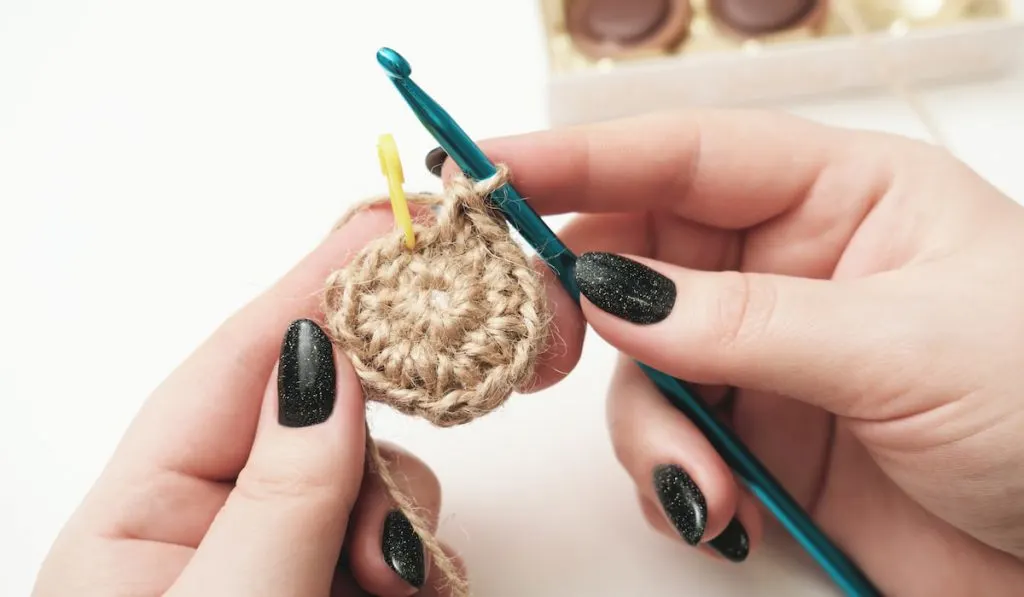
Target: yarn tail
<point x="454" y="584"/>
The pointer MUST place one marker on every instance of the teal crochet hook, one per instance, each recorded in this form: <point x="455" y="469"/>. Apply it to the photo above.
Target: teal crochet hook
<point x="471" y="159"/>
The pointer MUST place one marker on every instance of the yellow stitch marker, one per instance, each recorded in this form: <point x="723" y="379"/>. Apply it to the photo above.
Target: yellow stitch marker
<point x="391" y="167"/>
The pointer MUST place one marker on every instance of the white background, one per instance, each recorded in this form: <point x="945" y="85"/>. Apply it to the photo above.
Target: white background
<point x="162" y="162"/>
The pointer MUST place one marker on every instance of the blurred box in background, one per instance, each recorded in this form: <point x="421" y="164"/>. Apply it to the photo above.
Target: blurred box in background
<point x="614" y="58"/>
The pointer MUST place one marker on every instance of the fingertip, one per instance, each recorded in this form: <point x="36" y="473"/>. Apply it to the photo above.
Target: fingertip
<point x="437" y="585"/>
<point x="668" y="458"/>
<point x="447" y="168"/>
<point x="695" y="498"/>
<point x="350" y="405"/>
<point x="387" y="556"/>
<point x="291" y="503"/>
<point x="300" y="402"/>
<point x="566" y="332"/>
<point x="751" y="516"/>
<point x="291" y="394"/>
<point x="734" y="544"/>
<point x="741" y="536"/>
<point x="595" y="316"/>
<point x="660" y="314"/>
<point x="654" y="516"/>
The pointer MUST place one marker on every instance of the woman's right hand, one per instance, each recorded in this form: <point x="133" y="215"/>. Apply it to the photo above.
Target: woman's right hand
<point x="861" y="292"/>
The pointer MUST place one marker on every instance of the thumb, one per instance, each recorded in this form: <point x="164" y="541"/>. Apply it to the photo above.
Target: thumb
<point x="813" y="340"/>
<point x="281" y="529"/>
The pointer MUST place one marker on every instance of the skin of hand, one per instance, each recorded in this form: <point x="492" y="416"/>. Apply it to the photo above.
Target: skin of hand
<point x="852" y="290"/>
<point x="244" y="473"/>
<point x="851" y="303"/>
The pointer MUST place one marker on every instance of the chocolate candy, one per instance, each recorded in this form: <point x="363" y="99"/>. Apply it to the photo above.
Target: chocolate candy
<point x="612" y="28"/>
<point x="759" y="17"/>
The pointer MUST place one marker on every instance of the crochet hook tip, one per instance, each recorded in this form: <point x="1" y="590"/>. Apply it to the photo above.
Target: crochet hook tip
<point x="396" y="66"/>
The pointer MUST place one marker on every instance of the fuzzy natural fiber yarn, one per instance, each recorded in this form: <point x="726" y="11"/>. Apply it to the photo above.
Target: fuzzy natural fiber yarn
<point x="446" y="330"/>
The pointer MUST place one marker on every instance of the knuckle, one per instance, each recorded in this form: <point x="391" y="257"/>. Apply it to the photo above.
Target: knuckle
<point x="285" y="484"/>
<point x="743" y="309"/>
<point x="886" y="152"/>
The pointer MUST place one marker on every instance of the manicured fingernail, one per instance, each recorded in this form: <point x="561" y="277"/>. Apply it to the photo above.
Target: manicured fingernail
<point x="733" y="544"/>
<point x="682" y="501"/>
<point x="625" y="288"/>
<point x="435" y="160"/>
<point x="403" y="550"/>
<point x="306" y="376"/>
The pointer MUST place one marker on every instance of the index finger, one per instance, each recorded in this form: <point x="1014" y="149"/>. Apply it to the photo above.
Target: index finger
<point x="723" y="168"/>
<point x="201" y="421"/>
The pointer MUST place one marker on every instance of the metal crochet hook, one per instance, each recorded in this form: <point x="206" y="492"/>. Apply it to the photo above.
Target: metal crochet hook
<point x="471" y="159"/>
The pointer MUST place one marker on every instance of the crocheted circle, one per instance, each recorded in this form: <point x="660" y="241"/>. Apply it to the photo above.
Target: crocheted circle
<point x="446" y="330"/>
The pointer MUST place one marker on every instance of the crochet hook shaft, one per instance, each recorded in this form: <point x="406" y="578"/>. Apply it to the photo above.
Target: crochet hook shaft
<point x="475" y="164"/>
<point x="471" y="159"/>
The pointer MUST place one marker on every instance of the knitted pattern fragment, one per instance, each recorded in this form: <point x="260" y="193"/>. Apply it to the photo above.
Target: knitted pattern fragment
<point x="446" y="330"/>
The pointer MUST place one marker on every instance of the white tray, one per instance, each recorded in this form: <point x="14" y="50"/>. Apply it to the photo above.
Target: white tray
<point x="785" y="71"/>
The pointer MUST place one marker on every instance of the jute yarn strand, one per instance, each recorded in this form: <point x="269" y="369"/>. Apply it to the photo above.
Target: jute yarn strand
<point x="445" y="331"/>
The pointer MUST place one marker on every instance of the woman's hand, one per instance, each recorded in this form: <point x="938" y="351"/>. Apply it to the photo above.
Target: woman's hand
<point x="861" y="292"/>
<point x="868" y="320"/>
<point x="243" y="474"/>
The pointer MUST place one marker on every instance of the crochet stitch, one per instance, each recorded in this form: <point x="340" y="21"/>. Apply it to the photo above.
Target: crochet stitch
<point x="446" y="330"/>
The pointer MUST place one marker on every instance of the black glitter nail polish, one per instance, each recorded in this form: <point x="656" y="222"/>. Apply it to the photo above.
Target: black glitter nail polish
<point x="403" y="550"/>
<point x="682" y="501"/>
<point x="733" y="544"/>
<point x="306" y="376"/>
<point x="435" y="160"/>
<point x="625" y="288"/>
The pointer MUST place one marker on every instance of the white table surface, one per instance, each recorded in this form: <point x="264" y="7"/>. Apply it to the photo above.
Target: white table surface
<point x="161" y="163"/>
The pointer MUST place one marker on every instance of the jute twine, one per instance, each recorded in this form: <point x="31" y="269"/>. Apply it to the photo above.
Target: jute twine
<point x="446" y="330"/>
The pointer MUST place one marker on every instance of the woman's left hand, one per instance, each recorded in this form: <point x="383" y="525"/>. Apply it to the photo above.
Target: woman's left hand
<point x="244" y="473"/>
